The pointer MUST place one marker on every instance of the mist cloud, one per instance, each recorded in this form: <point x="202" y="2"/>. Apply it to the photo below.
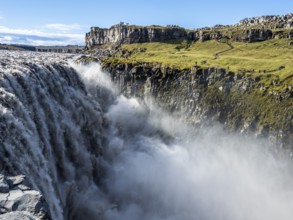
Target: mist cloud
<point x="158" y="167"/>
<point x="214" y="175"/>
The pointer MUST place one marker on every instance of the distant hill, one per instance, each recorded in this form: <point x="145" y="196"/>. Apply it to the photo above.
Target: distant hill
<point x="53" y="49"/>
<point x="10" y="47"/>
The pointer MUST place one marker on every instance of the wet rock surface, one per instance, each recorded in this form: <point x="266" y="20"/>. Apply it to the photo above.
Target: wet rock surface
<point x="19" y="201"/>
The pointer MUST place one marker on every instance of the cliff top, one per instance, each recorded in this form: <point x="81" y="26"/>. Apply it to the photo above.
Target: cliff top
<point x="267" y="21"/>
<point x="127" y="26"/>
<point x="277" y="21"/>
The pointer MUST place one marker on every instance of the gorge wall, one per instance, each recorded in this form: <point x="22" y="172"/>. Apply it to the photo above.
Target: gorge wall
<point x="234" y="99"/>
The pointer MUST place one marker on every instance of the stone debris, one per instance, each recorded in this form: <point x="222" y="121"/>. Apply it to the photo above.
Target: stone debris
<point x="19" y="201"/>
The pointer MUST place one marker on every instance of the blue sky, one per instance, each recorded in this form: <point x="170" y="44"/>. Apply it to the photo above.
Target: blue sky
<point x="62" y="22"/>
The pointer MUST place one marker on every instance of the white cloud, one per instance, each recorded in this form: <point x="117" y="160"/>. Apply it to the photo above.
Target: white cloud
<point x="1" y="17"/>
<point x="63" y="27"/>
<point x="41" y="33"/>
<point x="7" y="38"/>
<point x="38" y="37"/>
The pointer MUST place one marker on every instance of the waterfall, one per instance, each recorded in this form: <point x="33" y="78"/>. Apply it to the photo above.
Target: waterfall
<point x="51" y="130"/>
<point x="95" y="154"/>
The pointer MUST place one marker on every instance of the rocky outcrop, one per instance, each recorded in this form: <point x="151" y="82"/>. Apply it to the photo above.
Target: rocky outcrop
<point x="121" y="33"/>
<point x="248" y="30"/>
<point x="240" y="102"/>
<point x="202" y="35"/>
<point x="19" y="201"/>
<point x="252" y="35"/>
<point x="272" y="22"/>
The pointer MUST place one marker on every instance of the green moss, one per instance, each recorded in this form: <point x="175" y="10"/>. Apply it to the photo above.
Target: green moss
<point x="239" y="106"/>
<point x="258" y="59"/>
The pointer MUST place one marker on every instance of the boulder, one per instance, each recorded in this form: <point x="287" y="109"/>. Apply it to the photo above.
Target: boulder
<point x="19" y="201"/>
<point x="4" y="187"/>
<point x="17" y="216"/>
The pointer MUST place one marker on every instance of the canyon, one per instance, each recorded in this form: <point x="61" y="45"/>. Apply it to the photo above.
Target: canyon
<point x="151" y="123"/>
<point x="81" y="143"/>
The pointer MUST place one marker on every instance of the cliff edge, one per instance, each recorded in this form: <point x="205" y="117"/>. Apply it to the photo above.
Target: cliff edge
<point x="247" y="30"/>
<point x="239" y="75"/>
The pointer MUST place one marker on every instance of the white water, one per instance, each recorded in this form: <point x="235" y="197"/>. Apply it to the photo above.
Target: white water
<point x="97" y="155"/>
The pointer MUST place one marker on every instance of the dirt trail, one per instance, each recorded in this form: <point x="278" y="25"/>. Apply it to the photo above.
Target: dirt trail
<point x="231" y="47"/>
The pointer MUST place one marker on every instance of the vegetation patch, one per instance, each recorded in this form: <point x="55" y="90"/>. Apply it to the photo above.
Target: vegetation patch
<point x="267" y="60"/>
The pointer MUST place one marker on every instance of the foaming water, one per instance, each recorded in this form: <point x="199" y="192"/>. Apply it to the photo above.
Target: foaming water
<point x="51" y="129"/>
<point x="96" y="154"/>
<point x="212" y="175"/>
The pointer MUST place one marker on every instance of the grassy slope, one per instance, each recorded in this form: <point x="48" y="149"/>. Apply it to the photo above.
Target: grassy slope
<point x="262" y="57"/>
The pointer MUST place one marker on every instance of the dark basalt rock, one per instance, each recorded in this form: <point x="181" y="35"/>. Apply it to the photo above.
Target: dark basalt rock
<point x="217" y="94"/>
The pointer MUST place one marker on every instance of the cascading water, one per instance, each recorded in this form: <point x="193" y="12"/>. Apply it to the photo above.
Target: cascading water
<point x="51" y="129"/>
<point x="95" y="154"/>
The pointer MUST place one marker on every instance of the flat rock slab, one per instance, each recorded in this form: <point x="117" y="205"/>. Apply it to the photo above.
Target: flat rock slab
<point x="19" y="201"/>
<point x="17" y="216"/>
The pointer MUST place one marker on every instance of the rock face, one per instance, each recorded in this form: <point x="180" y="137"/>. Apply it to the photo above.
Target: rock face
<point x="19" y="201"/>
<point x="248" y="30"/>
<point x="121" y="33"/>
<point x="215" y="94"/>
<point x="272" y="22"/>
<point x="253" y="35"/>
